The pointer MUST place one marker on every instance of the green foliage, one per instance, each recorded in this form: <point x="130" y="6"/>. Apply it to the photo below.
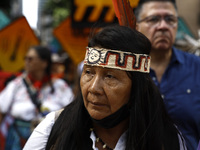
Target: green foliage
<point x="59" y="14"/>
<point x="58" y="9"/>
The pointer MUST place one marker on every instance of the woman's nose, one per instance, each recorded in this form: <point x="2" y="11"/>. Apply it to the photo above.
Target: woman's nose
<point x="95" y="86"/>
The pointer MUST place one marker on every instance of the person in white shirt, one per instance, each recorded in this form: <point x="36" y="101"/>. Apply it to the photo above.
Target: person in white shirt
<point x="31" y="96"/>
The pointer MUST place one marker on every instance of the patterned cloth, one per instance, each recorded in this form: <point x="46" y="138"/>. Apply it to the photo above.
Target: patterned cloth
<point x="18" y="132"/>
<point x="15" y="101"/>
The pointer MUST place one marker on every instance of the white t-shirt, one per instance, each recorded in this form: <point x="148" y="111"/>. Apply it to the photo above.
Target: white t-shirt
<point x="15" y="99"/>
<point x="39" y="137"/>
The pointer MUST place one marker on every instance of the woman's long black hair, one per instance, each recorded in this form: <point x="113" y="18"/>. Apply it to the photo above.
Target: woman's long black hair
<point x="150" y="128"/>
<point x="44" y="54"/>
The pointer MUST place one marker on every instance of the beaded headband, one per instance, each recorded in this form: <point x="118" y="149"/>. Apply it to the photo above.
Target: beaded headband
<point x="117" y="59"/>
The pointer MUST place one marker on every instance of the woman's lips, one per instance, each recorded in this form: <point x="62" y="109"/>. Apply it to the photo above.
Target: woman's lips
<point x="97" y="103"/>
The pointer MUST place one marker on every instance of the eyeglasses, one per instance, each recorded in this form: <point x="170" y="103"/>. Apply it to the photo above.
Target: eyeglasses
<point x="29" y="58"/>
<point x="155" y="20"/>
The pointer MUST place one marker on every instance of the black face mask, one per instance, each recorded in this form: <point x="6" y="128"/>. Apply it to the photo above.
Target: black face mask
<point x="114" y="119"/>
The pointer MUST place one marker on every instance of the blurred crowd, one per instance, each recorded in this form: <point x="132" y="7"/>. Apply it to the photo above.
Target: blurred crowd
<point x="51" y="81"/>
<point x="47" y="83"/>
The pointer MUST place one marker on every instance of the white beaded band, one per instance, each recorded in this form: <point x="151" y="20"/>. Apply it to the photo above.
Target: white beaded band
<point x="117" y="59"/>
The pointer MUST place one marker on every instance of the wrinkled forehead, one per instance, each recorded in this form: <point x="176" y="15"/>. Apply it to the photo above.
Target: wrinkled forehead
<point x="158" y="8"/>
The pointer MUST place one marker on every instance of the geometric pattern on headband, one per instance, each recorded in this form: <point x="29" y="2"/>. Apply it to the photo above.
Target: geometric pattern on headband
<point x="117" y="59"/>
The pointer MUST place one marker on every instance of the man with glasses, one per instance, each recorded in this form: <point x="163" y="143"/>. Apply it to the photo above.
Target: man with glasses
<point x="176" y="73"/>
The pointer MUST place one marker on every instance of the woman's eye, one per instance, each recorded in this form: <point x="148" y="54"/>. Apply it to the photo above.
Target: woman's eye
<point x="110" y="76"/>
<point x="87" y="72"/>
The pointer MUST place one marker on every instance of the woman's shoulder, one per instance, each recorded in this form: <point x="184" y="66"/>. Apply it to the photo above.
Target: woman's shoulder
<point x="17" y="80"/>
<point x="57" y="113"/>
<point x="13" y="84"/>
<point x="49" y="120"/>
<point x="39" y="137"/>
<point x="59" y="82"/>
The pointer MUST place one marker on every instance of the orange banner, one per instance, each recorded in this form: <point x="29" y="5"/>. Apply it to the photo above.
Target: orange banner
<point x="72" y="42"/>
<point x="98" y="6"/>
<point x="75" y="39"/>
<point x="15" y="39"/>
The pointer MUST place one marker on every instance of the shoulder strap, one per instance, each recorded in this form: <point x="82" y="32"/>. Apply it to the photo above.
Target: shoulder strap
<point x="57" y="113"/>
<point x="33" y="96"/>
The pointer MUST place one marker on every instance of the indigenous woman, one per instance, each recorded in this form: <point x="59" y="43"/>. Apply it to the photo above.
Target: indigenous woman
<point x="118" y="106"/>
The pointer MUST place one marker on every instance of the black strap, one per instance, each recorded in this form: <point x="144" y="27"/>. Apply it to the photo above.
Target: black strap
<point x="33" y="96"/>
<point x="22" y="139"/>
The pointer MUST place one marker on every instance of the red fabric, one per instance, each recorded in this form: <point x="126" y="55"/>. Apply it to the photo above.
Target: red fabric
<point x="3" y="77"/>
<point x="38" y="83"/>
<point x="2" y="141"/>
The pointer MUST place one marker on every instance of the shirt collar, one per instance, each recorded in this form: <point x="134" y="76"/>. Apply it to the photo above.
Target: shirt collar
<point x="177" y="56"/>
<point x="121" y="144"/>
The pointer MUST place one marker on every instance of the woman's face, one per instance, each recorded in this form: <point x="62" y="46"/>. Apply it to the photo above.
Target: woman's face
<point x="33" y="63"/>
<point x="104" y="90"/>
